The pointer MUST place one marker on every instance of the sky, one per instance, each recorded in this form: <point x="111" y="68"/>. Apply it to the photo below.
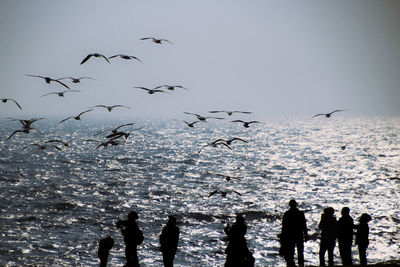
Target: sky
<point x="274" y="58"/>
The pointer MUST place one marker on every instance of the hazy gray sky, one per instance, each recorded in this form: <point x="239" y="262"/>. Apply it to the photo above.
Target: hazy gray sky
<point x="269" y="57"/>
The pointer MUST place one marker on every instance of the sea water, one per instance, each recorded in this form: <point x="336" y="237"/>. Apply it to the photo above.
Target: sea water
<point x="56" y="205"/>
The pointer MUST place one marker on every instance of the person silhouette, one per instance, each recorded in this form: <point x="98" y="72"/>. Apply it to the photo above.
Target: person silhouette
<point x="345" y="226"/>
<point x="328" y="226"/>
<point x="105" y="245"/>
<point x="237" y="252"/>
<point x="169" y="241"/>
<point x="362" y="240"/>
<point x="293" y="234"/>
<point x="133" y="236"/>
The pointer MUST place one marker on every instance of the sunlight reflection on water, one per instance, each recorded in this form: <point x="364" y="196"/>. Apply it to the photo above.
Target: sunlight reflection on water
<point x="61" y="203"/>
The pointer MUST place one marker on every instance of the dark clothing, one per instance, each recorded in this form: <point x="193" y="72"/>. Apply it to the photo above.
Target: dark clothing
<point x="328" y="226"/>
<point x="237" y="251"/>
<point x="105" y="246"/>
<point x="362" y="241"/>
<point x="169" y="242"/>
<point x="294" y="232"/>
<point x="133" y="236"/>
<point x="345" y="228"/>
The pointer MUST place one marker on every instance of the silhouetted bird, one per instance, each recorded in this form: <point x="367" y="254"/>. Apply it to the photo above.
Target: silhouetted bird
<point x="155" y="40"/>
<point x="43" y="147"/>
<point x="48" y="80"/>
<point x="25" y="130"/>
<point x="78" y="117"/>
<point x="191" y="125"/>
<point x="76" y="80"/>
<point x="110" y="108"/>
<point x="105" y="245"/>
<point x="26" y="124"/>
<point x="246" y="124"/>
<point x="115" y="130"/>
<point x="169" y="241"/>
<point x="111" y="142"/>
<point x="223" y="193"/>
<point x="125" y="57"/>
<point x="66" y="144"/>
<point x="171" y="87"/>
<point x="4" y="100"/>
<point x="328" y="115"/>
<point x="151" y="91"/>
<point x="94" y="55"/>
<point x="216" y="143"/>
<point x="343" y="147"/>
<point x="61" y="94"/>
<point x="202" y="118"/>
<point x="227" y="177"/>
<point x="117" y="135"/>
<point x="229" y="142"/>
<point x="229" y="112"/>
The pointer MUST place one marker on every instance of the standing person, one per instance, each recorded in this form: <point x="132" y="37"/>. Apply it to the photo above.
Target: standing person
<point x="105" y="245"/>
<point x="328" y="226"/>
<point x="133" y="236"/>
<point x="345" y="228"/>
<point x="294" y="233"/>
<point x="169" y="241"/>
<point x="237" y="252"/>
<point x="362" y="237"/>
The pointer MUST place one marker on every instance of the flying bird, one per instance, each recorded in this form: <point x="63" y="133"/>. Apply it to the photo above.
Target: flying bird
<point x="43" y="147"/>
<point x="124" y="57"/>
<point x="229" y="142"/>
<point x="230" y="112"/>
<point x="26" y="124"/>
<point x="246" y="124"/>
<point x="223" y="193"/>
<point x="216" y="143"/>
<point x="48" y="80"/>
<point x="227" y="177"/>
<point x="94" y="55"/>
<point x="328" y="115"/>
<point x="4" y="100"/>
<point x="191" y="125"/>
<point x="25" y="130"/>
<point x="110" y="108"/>
<point x="171" y="87"/>
<point x="151" y="91"/>
<point x="155" y="40"/>
<point x="115" y="130"/>
<point x="111" y="142"/>
<point x="202" y="118"/>
<point x="61" y="94"/>
<point x="66" y="144"/>
<point x="78" y="117"/>
<point x="76" y="80"/>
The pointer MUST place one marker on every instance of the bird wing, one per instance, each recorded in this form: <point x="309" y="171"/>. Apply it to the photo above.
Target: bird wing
<point x="179" y="86"/>
<point x="338" y="110"/>
<point x="17" y="131"/>
<point x="114" y="56"/>
<point x="105" y="58"/>
<point x="198" y="153"/>
<point x="35" y="76"/>
<point x="237" y="139"/>
<point x="83" y="112"/>
<point x="213" y="193"/>
<point x="222" y="143"/>
<point x="158" y="91"/>
<point x="253" y="122"/>
<point x="146" y="38"/>
<point x="165" y="40"/>
<point x="86" y="59"/>
<point x="143" y="88"/>
<point x="127" y="124"/>
<point x="99" y="106"/>
<point x="119" y="106"/>
<point x="65" y="119"/>
<point x="12" y="101"/>
<point x="216" y="111"/>
<point x="244" y="112"/>
<point x="238" y="121"/>
<point x="63" y="84"/>
<point x="320" y="114"/>
<point x="236" y="192"/>
<point x="52" y="93"/>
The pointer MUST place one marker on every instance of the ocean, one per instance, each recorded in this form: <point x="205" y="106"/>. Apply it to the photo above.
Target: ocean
<point x="56" y="205"/>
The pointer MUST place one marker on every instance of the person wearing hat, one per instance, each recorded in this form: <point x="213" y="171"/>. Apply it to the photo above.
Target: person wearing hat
<point x="133" y="236"/>
<point x="169" y="241"/>
<point x="362" y="240"/>
<point x="293" y="234"/>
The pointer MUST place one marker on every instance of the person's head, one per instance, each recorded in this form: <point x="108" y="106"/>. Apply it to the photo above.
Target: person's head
<point x="171" y="220"/>
<point x="365" y="218"/>
<point x="345" y="211"/>
<point x="292" y="203"/>
<point x="133" y="216"/>
<point x="239" y="218"/>
<point x="329" y="211"/>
